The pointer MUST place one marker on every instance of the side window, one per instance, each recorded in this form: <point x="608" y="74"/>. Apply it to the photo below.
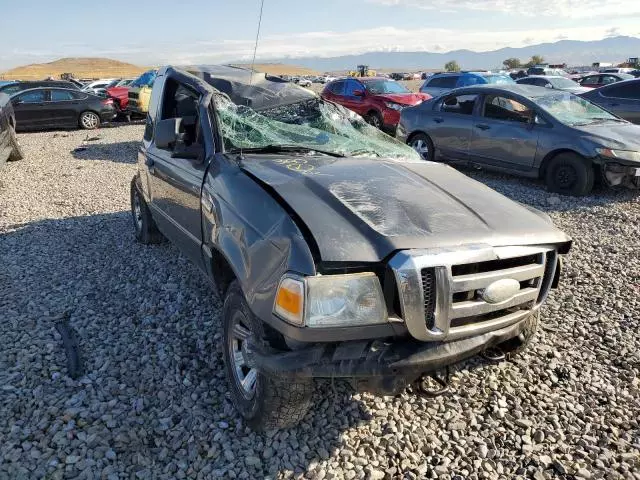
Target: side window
<point x="179" y="101"/>
<point x="462" y="104"/>
<point x="351" y="86"/>
<point x="11" y="89"/>
<point x="337" y="88"/>
<point x="607" y="79"/>
<point x="469" y="80"/>
<point x="154" y="101"/>
<point x="506" y="109"/>
<point x="447" y="81"/>
<point x="527" y="81"/>
<point x="61" y="95"/>
<point x="37" y="96"/>
<point x="626" y="90"/>
<point x="590" y="80"/>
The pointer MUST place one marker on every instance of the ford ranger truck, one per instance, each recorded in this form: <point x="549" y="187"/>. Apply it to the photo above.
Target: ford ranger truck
<point x="338" y="251"/>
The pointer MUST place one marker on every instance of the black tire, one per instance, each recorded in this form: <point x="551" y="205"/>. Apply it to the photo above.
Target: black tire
<point x="570" y="174"/>
<point x="89" y="120"/>
<point x="375" y="120"/>
<point x="422" y="144"/>
<point x="16" y="150"/>
<point x="515" y="346"/>
<point x="144" y="226"/>
<point x="272" y="402"/>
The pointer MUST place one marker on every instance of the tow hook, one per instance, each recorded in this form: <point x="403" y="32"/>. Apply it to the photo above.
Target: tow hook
<point x="427" y="381"/>
<point x="493" y="354"/>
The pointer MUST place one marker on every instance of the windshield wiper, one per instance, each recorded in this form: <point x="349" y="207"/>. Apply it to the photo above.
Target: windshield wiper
<point x="285" y="148"/>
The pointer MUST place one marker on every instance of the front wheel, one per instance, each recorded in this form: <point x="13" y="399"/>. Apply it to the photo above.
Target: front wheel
<point x="423" y="145"/>
<point x="570" y="174"/>
<point x="264" y="401"/>
<point x="89" y="120"/>
<point x="375" y="120"/>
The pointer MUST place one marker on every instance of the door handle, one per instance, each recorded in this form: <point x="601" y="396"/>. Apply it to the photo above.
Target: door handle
<point x="438" y="120"/>
<point x="483" y="126"/>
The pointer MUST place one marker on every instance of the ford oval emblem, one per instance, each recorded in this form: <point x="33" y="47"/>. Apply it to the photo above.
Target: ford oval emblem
<point x="500" y="290"/>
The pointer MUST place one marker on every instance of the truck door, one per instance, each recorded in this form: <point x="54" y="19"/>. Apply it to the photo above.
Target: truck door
<point x="174" y="182"/>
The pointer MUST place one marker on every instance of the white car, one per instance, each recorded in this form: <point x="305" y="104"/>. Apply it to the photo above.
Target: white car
<point x="304" y="82"/>
<point x="100" y="85"/>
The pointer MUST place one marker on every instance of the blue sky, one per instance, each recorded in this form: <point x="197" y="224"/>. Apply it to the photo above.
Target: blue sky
<point x="162" y="31"/>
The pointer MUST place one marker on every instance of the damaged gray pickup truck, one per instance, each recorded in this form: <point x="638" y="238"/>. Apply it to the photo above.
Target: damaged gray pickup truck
<point x="338" y="251"/>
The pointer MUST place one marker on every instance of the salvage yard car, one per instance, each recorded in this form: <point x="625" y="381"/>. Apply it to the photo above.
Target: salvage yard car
<point x="530" y="131"/>
<point x="378" y="100"/>
<point x="42" y="108"/>
<point x="337" y="250"/>
<point x="9" y="146"/>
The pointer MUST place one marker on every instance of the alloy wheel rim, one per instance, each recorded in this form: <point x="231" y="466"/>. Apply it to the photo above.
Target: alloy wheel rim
<point x="374" y="121"/>
<point x="245" y="377"/>
<point x="421" y="147"/>
<point x="137" y="211"/>
<point x="90" y="120"/>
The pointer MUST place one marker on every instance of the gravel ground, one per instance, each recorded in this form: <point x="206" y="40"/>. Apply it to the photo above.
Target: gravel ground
<point x="153" y="401"/>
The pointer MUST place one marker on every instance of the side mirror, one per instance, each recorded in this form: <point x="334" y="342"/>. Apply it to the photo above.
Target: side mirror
<point x="358" y="93"/>
<point x="16" y="102"/>
<point x="548" y="85"/>
<point x="166" y="133"/>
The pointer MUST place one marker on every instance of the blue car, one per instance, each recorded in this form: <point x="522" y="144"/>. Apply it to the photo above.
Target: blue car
<point x="443" y="82"/>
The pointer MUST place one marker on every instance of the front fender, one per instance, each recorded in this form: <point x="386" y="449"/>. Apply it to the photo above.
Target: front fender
<point x="254" y="234"/>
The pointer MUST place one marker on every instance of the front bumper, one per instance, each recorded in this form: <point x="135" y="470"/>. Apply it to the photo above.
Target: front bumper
<point x="619" y="174"/>
<point x="407" y="358"/>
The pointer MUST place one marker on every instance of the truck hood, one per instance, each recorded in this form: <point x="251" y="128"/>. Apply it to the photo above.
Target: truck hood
<point x="405" y="98"/>
<point x="623" y="136"/>
<point x="363" y="210"/>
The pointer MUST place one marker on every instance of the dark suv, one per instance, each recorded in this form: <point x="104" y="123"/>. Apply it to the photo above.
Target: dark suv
<point x="337" y="250"/>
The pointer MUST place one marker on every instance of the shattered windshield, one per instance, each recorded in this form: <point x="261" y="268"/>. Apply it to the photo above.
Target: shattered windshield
<point x="573" y="110"/>
<point x="309" y="125"/>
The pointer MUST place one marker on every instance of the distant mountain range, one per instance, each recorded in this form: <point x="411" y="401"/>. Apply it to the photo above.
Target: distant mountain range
<point x="573" y="52"/>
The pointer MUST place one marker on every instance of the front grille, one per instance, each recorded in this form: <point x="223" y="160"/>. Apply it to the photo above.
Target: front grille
<point x="429" y="294"/>
<point x="451" y="294"/>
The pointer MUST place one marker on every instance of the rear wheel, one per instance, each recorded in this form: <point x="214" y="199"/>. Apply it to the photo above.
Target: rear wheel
<point x="144" y="226"/>
<point x="264" y="401"/>
<point x="374" y="119"/>
<point x="16" y="149"/>
<point x="89" y="120"/>
<point x="570" y="174"/>
<point x="422" y="144"/>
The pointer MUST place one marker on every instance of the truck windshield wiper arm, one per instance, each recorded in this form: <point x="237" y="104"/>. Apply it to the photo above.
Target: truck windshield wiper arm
<point x="286" y="148"/>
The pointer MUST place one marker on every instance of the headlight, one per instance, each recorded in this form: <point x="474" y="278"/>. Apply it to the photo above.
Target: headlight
<point x="331" y="300"/>
<point x="619" y="154"/>
<point x="394" y="106"/>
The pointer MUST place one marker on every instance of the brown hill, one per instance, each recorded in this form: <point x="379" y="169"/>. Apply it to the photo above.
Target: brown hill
<point x="79" y="67"/>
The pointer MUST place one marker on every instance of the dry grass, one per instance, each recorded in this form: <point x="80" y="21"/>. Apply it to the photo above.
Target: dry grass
<point x="79" y="67"/>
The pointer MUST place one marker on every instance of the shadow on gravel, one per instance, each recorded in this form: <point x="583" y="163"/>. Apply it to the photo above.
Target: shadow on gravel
<point x="120" y="152"/>
<point x="533" y="192"/>
<point x="154" y="395"/>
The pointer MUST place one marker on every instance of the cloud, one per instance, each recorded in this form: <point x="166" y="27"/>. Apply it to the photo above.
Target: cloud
<point x="567" y="9"/>
<point x="612" y="32"/>
<point x="315" y="43"/>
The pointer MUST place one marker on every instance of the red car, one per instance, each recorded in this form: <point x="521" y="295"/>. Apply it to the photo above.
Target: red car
<point x="120" y="97"/>
<point x="379" y="100"/>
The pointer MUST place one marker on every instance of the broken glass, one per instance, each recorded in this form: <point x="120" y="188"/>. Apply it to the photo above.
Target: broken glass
<point x="308" y="124"/>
